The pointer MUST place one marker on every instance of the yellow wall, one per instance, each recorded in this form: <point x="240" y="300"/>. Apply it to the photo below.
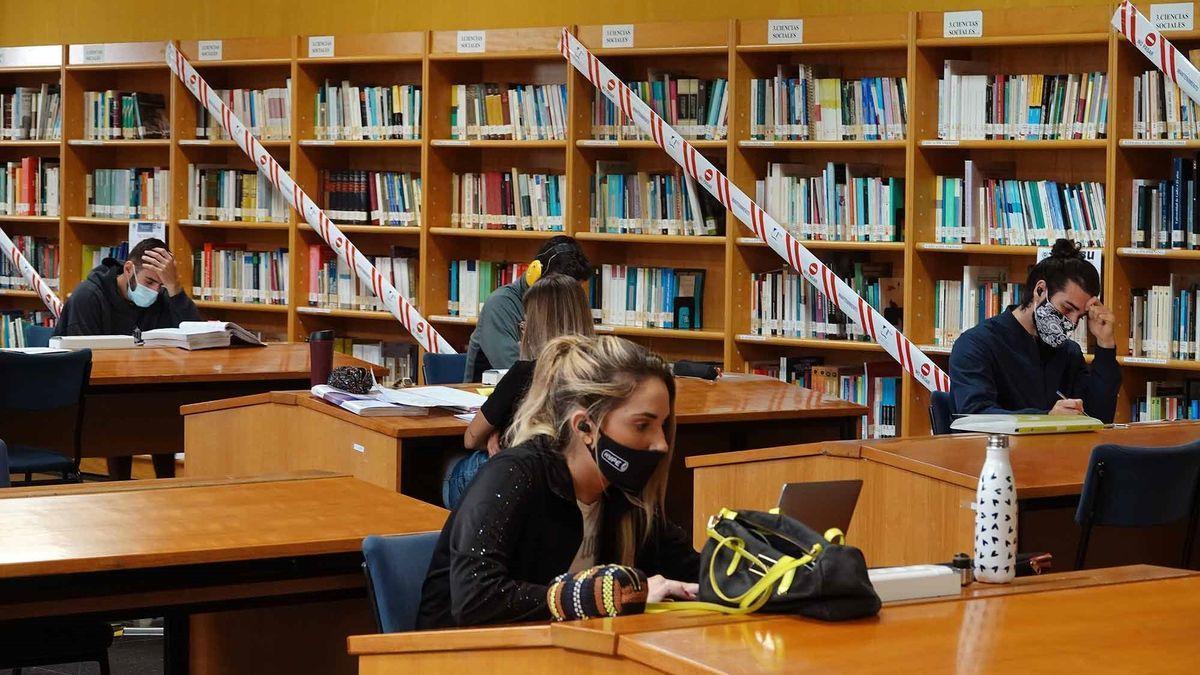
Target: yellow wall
<point x="25" y="22"/>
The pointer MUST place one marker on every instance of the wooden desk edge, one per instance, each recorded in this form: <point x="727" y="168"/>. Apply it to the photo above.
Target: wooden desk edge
<point x="163" y="484"/>
<point x="454" y="639"/>
<point x="851" y="449"/>
<point x="283" y="398"/>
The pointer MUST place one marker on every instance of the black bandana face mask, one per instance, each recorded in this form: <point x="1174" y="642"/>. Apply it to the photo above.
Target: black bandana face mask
<point x="1052" y="327"/>
<point x="627" y="468"/>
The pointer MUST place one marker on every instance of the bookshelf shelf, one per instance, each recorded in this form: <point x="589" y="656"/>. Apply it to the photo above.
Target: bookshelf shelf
<point x="28" y="144"/>
<point x="1159" y="144"/>
<point x="445" y="318"/>
<point x="29" y="70"/>
<point x="992" y="249"/>
<point x="698" y="50"/>
<point x="500" y="144"/>
<point x="651" y="238"/>
<point x="832" y="245"/>
<point x="227" y="143"/>
<point x="239" y="63"/>
<point x="494" y="234"/>
<point x="116" y="222"/>
<point x="352" y="60"/>
<point x="233" y="225"/>
<point x="121" y="142"/>
<point x="646" y="144"/>
<point x="1166" y="364"/>
<point x="633" y="331"/>
<point x="1080" y="144"/>
<point x="822" y="145"/>
<point x="1169" y="254"/>
<point x="370" y="229"/>
<point x="28" y="219"/>
<point x="937" y="350"/>
<point x="514" y="55"/>
<point x="811" y="343"/>
<point x="1047" y="40"/>
<point x="17" y="293"/>
<point x="242" y="306"/>
<point x="390" y="143"/>
<point x="346" y="313"/>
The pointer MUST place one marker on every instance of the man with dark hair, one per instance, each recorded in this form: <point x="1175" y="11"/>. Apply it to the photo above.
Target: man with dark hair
<point x="1019" y="361"/>
<point x="143" y="292"/>
<point x="494" y="344"/>
<point x="115" y="298"/>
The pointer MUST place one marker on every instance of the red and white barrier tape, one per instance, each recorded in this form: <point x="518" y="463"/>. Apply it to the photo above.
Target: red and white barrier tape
<point x="911" y="358"/>
<point x="13" y="255"/>
<point x="400" y="307"/>
<point x="1145" y="36"/>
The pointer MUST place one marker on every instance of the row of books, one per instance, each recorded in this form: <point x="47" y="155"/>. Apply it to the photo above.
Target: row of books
<point x="507" y="200"/>
<point x="471" y="283"/>
<point x="91" y="255"/>
<point x="975" y="103"/>
<point x="979" y="209"/>
<point x="267" y="112"/>
<point x="31" y="113"/>
<point x="234" y="273"/>
<point x="521" y="112"/>
<point x="1168" y="400"/>
<point x="135" y="194"/>
<point x="1160" y="108"/>
<point x="399" y="357"/>
<point x="648" y="297"/>
<point x="221" y="194"/>
<point x="41" y="252"/>
<point x="14" y="323"/>
<point x="1166" y="213"/>
<point x="627" y="201"/>
<point x="840" y="202"/>
<point x="784" y="304"/>
<point x="334" y="284"/>
<point x="1163" y="319"/>
<point x="124" y="115"/>
<point x="811" y="108"/>
<point x="697" y="108"/>
<point x="30" y="187"/>
<point x="387" y="198"/>
<point x="374" y="113"/>
<point x="875" y="385"/>
<point x="959" y="305"/>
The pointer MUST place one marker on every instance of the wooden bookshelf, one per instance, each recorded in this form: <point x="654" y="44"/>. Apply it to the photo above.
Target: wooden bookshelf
<point x="1045" y="40"/>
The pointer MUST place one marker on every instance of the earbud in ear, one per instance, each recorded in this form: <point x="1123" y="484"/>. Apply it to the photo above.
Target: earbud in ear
<point x="585" y="427"/>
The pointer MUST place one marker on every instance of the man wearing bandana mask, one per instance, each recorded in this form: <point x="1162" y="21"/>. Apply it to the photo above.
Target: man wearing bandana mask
<point x="1019" y="361"/>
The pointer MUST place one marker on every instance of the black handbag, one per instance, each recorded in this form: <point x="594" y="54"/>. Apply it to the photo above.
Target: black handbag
<point x="766" y="561"/>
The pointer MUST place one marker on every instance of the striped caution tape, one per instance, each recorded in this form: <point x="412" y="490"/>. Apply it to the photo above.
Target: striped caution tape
<point x="398" y="305"/>
<point x="1145" y="36"/>
<point x="900" y="348"/>
<point x="13" y="255"/>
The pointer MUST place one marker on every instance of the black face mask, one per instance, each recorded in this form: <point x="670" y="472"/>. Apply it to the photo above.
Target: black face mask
<point x="627" y="468"/>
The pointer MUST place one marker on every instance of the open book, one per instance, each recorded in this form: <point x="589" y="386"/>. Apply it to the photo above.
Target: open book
<point x="366" y="405"/>
<point x="1026" y="424"/>
<point x="200" y="335"/>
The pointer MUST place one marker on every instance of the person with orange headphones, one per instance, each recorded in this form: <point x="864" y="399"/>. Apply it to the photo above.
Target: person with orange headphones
<point x="496" y="340"/>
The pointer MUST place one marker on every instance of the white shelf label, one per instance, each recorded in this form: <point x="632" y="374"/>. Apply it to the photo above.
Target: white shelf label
<point x="962" y="24"/>
<point x="753" y="337"/>
<point x="93" y="53"/>
<point x="316" y="142"/>
<point x="472" y="41"/>
<point x="1153" y="142"/>
<point x="785" y="31"/>
<point x="617" y="35"/>
<point x="1143" y="359"/>
<point x="939" y="246"/>
<point x="1172" y="15"/>
<point x="211" y="50"/>
<point x="320" y="46"/>
<point x="358" y="447"/>
<point x="939" y="143"/>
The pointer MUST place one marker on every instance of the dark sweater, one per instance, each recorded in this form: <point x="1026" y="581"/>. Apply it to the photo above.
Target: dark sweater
<point x="998" y="367"/>
<point x="97" y="307"/>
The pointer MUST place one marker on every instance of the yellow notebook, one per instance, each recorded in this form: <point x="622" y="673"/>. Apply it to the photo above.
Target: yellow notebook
<point x="1019" y="425"/>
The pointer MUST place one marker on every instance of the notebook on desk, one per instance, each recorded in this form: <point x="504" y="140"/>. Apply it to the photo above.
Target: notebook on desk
<point x="201" y="335"/>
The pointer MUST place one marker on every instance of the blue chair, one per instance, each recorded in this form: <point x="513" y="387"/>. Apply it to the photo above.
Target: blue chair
<point x="444" y="368"/>
<point x="38" y="336"/>
<point x="941" y="412"/>
<point x="1140" y="487"/>
<point x="396" y="567"/>
<point x="4" y="480"/>
<point x="38" y="383"/>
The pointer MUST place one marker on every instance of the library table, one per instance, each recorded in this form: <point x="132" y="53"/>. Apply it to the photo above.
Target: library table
<point x="267" y="569"/>
<point x="915" y="505"/>
<point x="134" y="395"/>
<point x="290" y="430"/>
<point x="1125" y="618"/>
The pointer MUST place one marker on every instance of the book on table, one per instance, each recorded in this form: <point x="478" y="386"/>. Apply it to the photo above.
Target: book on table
<point x="366" y="405"/>
<point x="200" y="335"/>
<point x="1018" y="425"/>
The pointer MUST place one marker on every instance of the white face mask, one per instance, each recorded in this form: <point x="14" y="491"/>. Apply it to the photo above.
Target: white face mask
<point x="140" y="295"/>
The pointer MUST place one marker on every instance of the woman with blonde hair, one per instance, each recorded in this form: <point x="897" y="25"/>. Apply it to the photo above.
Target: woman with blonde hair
<point x="555" y="305"/>
<point x="581" y="482"/>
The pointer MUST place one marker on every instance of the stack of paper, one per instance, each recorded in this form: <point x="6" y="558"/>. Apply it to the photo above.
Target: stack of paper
<point x="455" y="400"/>
<point x="366" y="405"/>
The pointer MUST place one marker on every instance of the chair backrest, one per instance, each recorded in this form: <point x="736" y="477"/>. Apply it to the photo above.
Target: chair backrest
<point x="3" y="465"/>
<point x="396" y="567"/>
<point x="38" y="382"/>
<point x="941" y="412"/>
<point x="1140" y="487"/>
<point x="444" y="368"/>
<point x="38" y="336"/>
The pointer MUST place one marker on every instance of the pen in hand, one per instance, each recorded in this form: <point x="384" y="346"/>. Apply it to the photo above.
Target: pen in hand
<point x="1064" y="397"/>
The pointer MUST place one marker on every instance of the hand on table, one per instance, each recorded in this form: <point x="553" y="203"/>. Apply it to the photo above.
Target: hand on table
<point x="662" y="588"/>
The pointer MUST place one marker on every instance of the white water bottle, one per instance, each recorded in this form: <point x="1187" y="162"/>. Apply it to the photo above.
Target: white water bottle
<point x="996" y="516"/>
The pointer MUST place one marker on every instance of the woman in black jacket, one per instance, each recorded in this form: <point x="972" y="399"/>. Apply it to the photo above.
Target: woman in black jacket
<point x="580" y="483"/>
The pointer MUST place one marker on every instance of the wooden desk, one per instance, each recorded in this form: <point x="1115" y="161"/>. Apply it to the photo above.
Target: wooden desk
<point x="917" y="492"/>
<point x="985" y="629"/>
<point x="218" y="551"/>
<point x="292" y="431"/>
<point x="135" y="394"/>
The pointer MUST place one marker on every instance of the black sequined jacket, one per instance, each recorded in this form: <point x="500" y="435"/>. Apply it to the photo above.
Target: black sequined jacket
<point x="517" y="528"/>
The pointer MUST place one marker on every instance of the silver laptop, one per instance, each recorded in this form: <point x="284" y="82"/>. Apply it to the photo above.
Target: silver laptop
<point x="821" y="505"/>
